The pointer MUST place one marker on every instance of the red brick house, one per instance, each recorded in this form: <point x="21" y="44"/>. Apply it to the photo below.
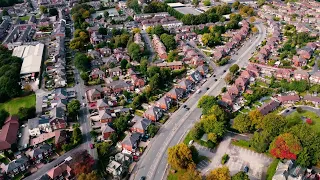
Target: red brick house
<point x="9" y="132"/>
<point x="106" y="131"/>
<point x="164" y="103"/>
<point x="203" y="69"/>
<point x="172" y="65"/>
<point x="242" y="83"/>
<point x="93" y="95"/>
<point x="315" y="78"/>
<point x="299" y="61"/>
<point x="301" y="75"/>
<point x="175" y="93"/>
<point x="138" y="82"/>
<point x="62" y="171"/>
<point x="305" y="52"/>
<point x="269" y="107"/>
<point x="283" y="74"/>
<point x="154" y="113"/>
<point x="104" y="117"/>
<point x="288" y="99"/>
<point x="118" y="86"/>
<point x="246" y="74"/>
<point x="130" y="142"/>
<point x="141" y="126"/>
<point x="97" y="73"/>
<point x="228" y="98"/>
<point x="253" y="69"/>
<point x="101" y="104"/>
<point x="234" y="90"/>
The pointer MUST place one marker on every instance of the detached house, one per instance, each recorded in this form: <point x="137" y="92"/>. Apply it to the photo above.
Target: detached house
<point x="17" y="166"/>
<point x="203" y="69"/>
<point x="299" y="61"/>
<point x="242" y="83"/>
<point x="39" y="125"/>
<point x="315" y="78"/>
<point x="101" y="104"/>
<point x="228" y="98"/>
<point x="58" y="118"/>
<point x="9" y="132"/>
<point x="175" y="93"/>
<point x="104" y="116"/>
<point x="130" y="142"/>
<point x="185" y="84"/>
<point x="288" y="99"/>
<point x="97" y="74"/>
<point x="164" y="103"/>
<point x="40" y="153"/>
<point x="195" y="76"/>
<point x="106" y="131"/>
<point x="141" y="126"/>
<point x="154" y="113"/>
<point x="269" y="107"/>
<point x="62" y="171"/>
<point x="93" y="95"/>
<point x="283" y="74"/>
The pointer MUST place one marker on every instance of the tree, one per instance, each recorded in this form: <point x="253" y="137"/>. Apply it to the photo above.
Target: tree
<point x="121" y="123"/>
<point x="212" y="137"/>
<point x="73" y="108"/>
<point x="3" y="116"/>
<point x="234" y="68"/>
<point x="106" y="14"/>
<point x="206" y="39"/>
<point x="152" y="130"/>
<point x="254" y="30"/>
<point x="242" y="123"/>
<point x="206" y="2"/>
<point x="212" y="125"/>
<point x="26" y="113"/>
<point x="84" y="76"/>
<point x="143" y="66"/>
<point x="261" y="2"/>
<point x="180" y="157"/>
<point x="256" y="118"/>
<point x="299" y="110"/>
<point x="222" y="173"/>
<point x="81" y="162"/>
<point x="94" y="134"/>
<point x="236" y="5"/>
<point x="206" y="102"/>
<point x="195" y="3"/>
<point x="53" y="12"/>
<point x="103" y="149"/>
<point x="260" y="141"/>
<point x="76" y="136"/>
<point x="173" y="56"/>
<point x="136" y="30"/>
<point x="285" y="146"/>
<point x="273" y="124"/>
<point x="190" y="175"/>
<point x="197" y="131"/>
<point x="43" y="9"/>
<point x="220" y="113"/>
<point x="252" y="19"/>
<point x="158" y="30"/>
<point x="114" y="138"/>
<point x="82" y="62"/>
<point x="168" y="41"/>
<point x="228" y="79"/>
<point x="154" y="82"/>
<point x="103" y="31"/>
<point x="134" y="51"/>
<point x="123" y="64"/>
<point x="90" y="176"/>
<point x="240" y="176"/>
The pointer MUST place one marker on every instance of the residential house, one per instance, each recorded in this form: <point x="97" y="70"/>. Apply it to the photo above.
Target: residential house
<point x="60" y="93"/>
<point x="175" y="93"/>
<point x="305" y="52"/>
<point x="228" y="98"/>
<point x="234" y="90"/>
<point x="164" y="103"/>
<point x="313" y="99"/>
<point x="269" y="107"/>
<point x="185" y="84"/>
<point x="116" y="71"/>
<point x="289" y="170"/>
<point x="288" y="99"/>
<point x="60" y="137"/>
<point x="19" y="165"/>
<point x="159" y="47"/>
<point x="9" y="132"/>
<point x="203" y="69"/>
<point x="104" y="116"/>
<point x="59" y="103"/>
<point x="118" y="86"/>
<point x="62" y="171"/>
<point x="106" y="131"/>
<point x="315" y="78"/>
<point x="93" y="95"/>
<point x="141" y="125"/>
<point x="40" y="153"/>
<point x="58" y="118"/>
<point x="301" y="75"/>
<point x="130" y="142"/>
<point x="39" y="125"/>
<point x="97" y="73"/>
<point x="195" y="76"/>
<point x="246" y="74"/>
<point x="172" y="65"/>
<point x="101" y="104"/>
<point x="242" y="83"/>
<point x="283" y="74"/>
<point x="116" y="169"/>
<point x="137" y="82"/>
<point x="299" y="61"/>
<point x="154" y="113"/>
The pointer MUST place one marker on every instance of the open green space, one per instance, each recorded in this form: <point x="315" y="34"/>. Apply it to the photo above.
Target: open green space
<point x="24" y="18"/>
<point x="13" y="105"/>
<point x="272" y="169"/>
<point x="308" y="114"/>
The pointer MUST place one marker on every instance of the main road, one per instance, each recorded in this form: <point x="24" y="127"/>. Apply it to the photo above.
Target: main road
<point x="153" y="163"/>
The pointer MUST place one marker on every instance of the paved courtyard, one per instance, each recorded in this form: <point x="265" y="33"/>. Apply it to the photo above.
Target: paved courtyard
<point x="239" y="158"/>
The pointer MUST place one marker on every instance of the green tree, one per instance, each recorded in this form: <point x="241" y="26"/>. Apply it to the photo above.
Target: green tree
<point x="73" y="108"/>
<point x="260" y="141"/>
<point x="212" y="125"/>
<point x="206" y="102"/>
<point x="195" y="3"/>
<point x="173" y="56"/>
<point x="53" y="12"/>
<point x="123" y="64"/>
<point x="197" y="131"/>
<point x="114" y="138"/>
<point x="242" y="123"/>
<point x="121" y="123"/>
<point x="154" y="82"/>
<point x="26" y="113"/>
<point x="106" y="14"/>
<point x="236" y="5"/>
<point x="219" y="112"/>
<point x="256" y="117"/>
<point x="143" y="66"/>
<point x="180" y="157"/>
<point x="43" y="9"/>
<point x="206" y="2"/>
<point x="190" y="175"/>
<point x="152" y="130"/>
<point x="240" y="175"/>
<point x="134" y="51"/>
<point x="82" y="62"/>
<point x="158" y="30"/>
<point x="3" y="116"/>
<point x="168" y="41"/>
<point x="234" y="68"/>
<point x="103" y="149"/>
<point x="212" y="137"/>
<point x="90" y="176"/>
<point x="84" y="76"/>
<point x="274" y="124"/>
<point x="76" y="136"/>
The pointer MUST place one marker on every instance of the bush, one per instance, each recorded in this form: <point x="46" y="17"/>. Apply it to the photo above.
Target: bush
<point x="224" y="159"/>
<point x="299" y="110"/>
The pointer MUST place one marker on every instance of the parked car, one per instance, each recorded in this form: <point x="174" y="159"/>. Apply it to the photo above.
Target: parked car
<point x="91" y="146"/>
<point x="246" y="169"/>
<point x="184" y="106"/>
<point x="190" y="142"/>
<point x="143" y="178"/>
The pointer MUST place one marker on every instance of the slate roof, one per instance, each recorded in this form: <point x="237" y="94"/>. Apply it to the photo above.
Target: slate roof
<point x="35" y="122"/>
<point x="131" y="139"/>
<point x="142" y="123"/>
<point x="16" y="163"/>
<point x="106" y="128"/>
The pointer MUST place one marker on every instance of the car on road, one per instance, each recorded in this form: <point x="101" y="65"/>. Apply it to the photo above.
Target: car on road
<point x="187" y="108"/>
<point x="207" y="88"/>
<point x="184" y="106"/>
<point x="246" y="169"/>
<point x="293" y="107"/>
<point x="82" y="97"/>
<point x="287" y="110"/>
<point x="143" y="178"/>
<point x="198" y="91"/>
<point x="91" y="146"/>
<point x="214" y="75"/>
<point x="224" y="70"/>
<point x="215" y="79"/>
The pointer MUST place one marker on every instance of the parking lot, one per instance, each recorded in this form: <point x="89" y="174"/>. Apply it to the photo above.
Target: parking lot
<point x="239" y="158"/>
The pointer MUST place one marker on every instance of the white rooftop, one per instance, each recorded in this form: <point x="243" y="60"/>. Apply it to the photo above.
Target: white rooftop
<point x="32" y="57"/>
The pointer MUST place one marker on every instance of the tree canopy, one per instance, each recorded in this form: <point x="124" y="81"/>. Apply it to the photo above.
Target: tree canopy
<point x="82" y="62"/>
<point x="285" y="146"/>
<point x="240" y="176"/>
<point x="168" y="41"/>
<point x="180" y="157"/>
<point x="221" y="173"/>
<point x="134" y="52"/>
<point x="242" y="123"/>
<point x="73" y="108"/>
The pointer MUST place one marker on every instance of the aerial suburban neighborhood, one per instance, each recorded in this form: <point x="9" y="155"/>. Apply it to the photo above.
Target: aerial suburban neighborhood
<point x="187" y="90"/>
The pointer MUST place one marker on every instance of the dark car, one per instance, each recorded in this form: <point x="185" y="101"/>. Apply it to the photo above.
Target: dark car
<point x="214" y="75"/>
<point x="207" y="88"/>
<point x="224" y="70"/>
<point x="143" y="178"/>
<point x="246" y="169"/>
<point x="184" y="106"/>
<point x="294" y="107"/>
<point x="82" y="97"/>
<point x="287" y="110"/>
<point x="187" y="109"/>
<point x="215" y="79"/>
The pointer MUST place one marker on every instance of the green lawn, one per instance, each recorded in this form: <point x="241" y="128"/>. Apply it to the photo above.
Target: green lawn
<point x="174" y="176"/>
<point x="242" y="143"/>
<point x="272" y="169"/>
<point x="24" y="18"/>
<point x="13" y="105"/>
<point x="309" y="114"/>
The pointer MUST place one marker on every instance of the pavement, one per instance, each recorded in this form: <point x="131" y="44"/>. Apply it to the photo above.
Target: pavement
<point x="148" y="44"/>
<point x="153" y="163"/>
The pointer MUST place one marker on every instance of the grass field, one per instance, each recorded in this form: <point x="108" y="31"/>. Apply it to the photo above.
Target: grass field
<point x="272" y="169"/>
<point x="309" y="114"/>
<point x="13" y="105"/>
<point x="24" y="18"/>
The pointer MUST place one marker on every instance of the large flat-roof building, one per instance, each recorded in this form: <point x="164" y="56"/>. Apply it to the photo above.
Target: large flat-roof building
<point x="32" y="58"/>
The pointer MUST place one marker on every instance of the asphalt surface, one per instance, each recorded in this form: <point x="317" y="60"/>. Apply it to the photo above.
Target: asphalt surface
<point x="153" y="163"/>
<point x="148" y="44"/>
<point x="289" y="110"/>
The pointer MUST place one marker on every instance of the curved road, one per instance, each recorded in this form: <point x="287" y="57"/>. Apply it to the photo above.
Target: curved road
<point x="153" y="163"/>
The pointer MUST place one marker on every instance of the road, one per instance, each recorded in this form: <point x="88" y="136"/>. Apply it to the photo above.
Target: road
<point x="148" y="44"/>
<point x="289" y="110"/>
<point x="153" y="163"/>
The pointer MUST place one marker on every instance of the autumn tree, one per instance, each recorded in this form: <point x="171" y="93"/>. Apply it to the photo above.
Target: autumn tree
<point x="285" y="146"/>
<point x="236" y="5"/>
<point x="242" y="123"/>
<point x="256" y="118"/>
<point x="222" y="173"/>
<point x="82" y="162"/>
<point x="190" y="175"/>
<point x="252" y="19"/>
<point x="180" y="157"/>
<point x="254" y="30"/>
<point x="212" y="137"/>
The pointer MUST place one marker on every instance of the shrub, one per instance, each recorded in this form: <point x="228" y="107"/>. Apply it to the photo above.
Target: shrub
<point x="224" y="159"/>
